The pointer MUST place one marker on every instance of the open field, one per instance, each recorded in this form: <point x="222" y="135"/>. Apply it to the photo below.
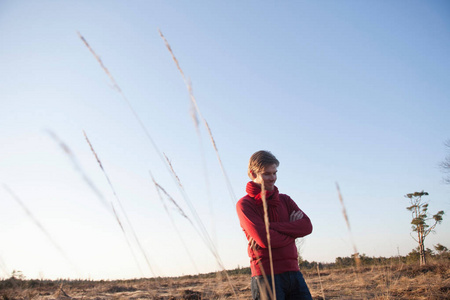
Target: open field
<point x="377" y="282"/>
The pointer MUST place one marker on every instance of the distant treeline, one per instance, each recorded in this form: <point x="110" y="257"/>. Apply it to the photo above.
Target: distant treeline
<point x="364" y="260"/>
<point x="340" y="262"/>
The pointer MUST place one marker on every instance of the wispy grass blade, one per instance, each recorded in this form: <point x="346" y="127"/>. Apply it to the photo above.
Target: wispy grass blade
<point x="199" y="114"/>
<point x="3" y="267"/>
<point x="108" y="206"/>
<point x="149" y="265"/>
<point x="200" y="228"/>
<point x="41" y="227"/>
<point x="160" y="189"/>
<point x="195" y="112"/>
<point x="78" y="168"/>
<point x="116" y="216"/>
<point x="347" y="221"/>
<point x="320" y="281"/>
<point x="179" y="209"/>
<point x="263" y="288"/>
<point x="122" y="94"/>
<point x="116" y="86"/>
<point x="267" y="224"/>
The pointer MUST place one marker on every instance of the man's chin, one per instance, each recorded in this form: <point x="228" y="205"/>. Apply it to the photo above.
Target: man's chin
<point x="270" y="187"/>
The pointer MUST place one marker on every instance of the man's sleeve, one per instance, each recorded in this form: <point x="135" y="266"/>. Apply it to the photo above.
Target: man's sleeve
<point x="254" y="225"/>
<point x="296" y="229"/>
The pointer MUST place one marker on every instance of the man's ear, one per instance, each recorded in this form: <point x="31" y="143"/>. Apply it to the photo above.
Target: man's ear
<point x="253" y="174"/>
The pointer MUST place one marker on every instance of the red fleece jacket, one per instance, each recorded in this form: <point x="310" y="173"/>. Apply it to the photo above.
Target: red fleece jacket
<point x="282" y="235"/>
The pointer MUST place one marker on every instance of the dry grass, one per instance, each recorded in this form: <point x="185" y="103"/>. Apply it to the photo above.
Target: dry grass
<point x="378" y="282"/>
<point x="383" y="282"/>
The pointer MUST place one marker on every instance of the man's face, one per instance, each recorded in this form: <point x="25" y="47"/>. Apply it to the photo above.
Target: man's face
<point x="268" y="176"/>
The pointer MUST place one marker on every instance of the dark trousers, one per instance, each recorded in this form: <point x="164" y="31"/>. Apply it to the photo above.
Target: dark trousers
<point x="288" y="286"/>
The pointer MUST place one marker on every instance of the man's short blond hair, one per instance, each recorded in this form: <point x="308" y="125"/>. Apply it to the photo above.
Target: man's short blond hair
<point x="259" y="160"/>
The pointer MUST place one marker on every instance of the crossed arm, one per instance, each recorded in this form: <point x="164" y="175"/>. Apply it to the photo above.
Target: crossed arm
<point x="299" y="225"/>
<point x="281" y="233"/>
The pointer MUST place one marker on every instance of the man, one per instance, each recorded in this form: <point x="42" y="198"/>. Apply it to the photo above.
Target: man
<point x="286" y="223"/>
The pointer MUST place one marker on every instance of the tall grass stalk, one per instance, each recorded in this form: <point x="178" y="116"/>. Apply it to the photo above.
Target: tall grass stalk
<point x="108" y="206"/>
<point x="199" y="114"/>
<point x="122" y="94"/>
<point x="179" y="209"/>
<point x="355" y="250"/>
<point x="320" y="281"/>
<point x="265" y="288"/>
<point x="267" y="224"/>
<point x="201" y="229"/>
<point x="195" y="115"/>
<point x="347" y="221"/>
<point x="160" y="189"/>
<point x="41" y="227"/>
<point x="122" y="209"/>
<point x="203" y="233"/>
<point x="78" y="168"/>
<point x="3" y="267"/>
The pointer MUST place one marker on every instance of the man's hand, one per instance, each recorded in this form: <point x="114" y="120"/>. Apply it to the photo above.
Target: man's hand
<point x="252" y="243"/>
<point x="295" y="215"/>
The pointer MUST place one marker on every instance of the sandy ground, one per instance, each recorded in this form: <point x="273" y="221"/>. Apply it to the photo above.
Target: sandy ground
<point x="381" y="282"/>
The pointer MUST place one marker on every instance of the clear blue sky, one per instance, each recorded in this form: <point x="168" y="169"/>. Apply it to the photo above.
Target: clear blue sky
<point x="340" y="91"/>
